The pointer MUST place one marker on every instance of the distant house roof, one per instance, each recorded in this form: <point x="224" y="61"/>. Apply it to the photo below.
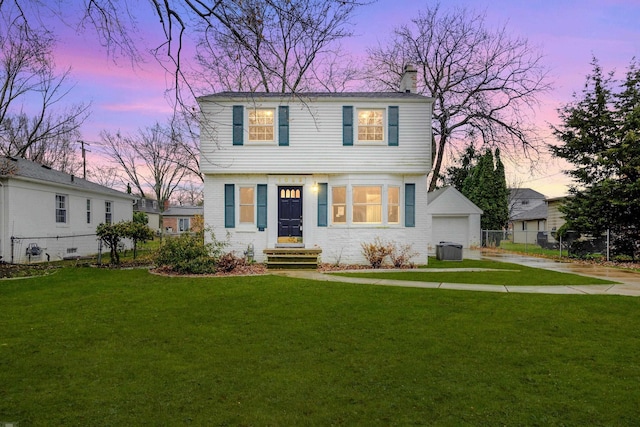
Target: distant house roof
<point x="18" y="168"/>
<point x="524" y="193"/>
<point x="538" y="212"/>
<point x="448" y="200"/>
<point x="183" y="211"/>
<point x="151" y="206"/>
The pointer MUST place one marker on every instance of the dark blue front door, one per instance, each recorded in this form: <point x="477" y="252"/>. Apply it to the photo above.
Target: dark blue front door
<point x="290" y="212"/>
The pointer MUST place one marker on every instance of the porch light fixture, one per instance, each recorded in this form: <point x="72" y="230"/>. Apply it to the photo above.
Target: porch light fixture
<point x="314" y="187"/>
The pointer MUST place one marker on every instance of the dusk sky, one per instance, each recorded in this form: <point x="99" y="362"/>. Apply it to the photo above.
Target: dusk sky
<point x="568" y="32"/>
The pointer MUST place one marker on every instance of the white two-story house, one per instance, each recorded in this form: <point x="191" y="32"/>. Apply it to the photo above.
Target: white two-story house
<point x="317" y="170"/>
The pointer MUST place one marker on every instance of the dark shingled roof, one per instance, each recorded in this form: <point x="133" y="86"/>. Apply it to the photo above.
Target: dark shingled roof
<point x="11" y="167"/>
<point x="183" y="211"/>
<point x="525" y="193"/>
<point x="539" y="212"/>
<point x="310" y="95"/>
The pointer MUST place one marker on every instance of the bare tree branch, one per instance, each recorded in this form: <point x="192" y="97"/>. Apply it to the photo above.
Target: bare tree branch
<point x="484" y="83"/>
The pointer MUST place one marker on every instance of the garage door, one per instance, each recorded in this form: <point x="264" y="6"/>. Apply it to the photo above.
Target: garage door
<point x="450" y="229"/>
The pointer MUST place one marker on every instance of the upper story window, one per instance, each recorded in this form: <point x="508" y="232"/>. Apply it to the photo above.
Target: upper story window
<point x="143" y="203"/>
<point x="88" y="211"/>
<point x="61" y="209"/>
<point x="261" y="124"/>
<point x="371" y="125"/>
<point x="108" y="213"/>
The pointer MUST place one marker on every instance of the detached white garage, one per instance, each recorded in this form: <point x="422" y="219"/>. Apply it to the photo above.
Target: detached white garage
<point x="454" y="218"/>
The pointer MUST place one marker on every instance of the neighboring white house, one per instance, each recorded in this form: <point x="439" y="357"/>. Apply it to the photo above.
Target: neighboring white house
<point x="317" y="170"/>
<point x="522" y="200"/>
<point x="151" y="208"/>
<point x="454" y="218"/>
<point x="50" y="215"/>
<point x="527" y="224"/>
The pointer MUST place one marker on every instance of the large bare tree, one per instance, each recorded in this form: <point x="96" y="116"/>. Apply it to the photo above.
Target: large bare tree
<point x="485" y="82"/>
<point x="153" y="160"/>
<point x="34" y="123"/>
<point x="276" y="45"/>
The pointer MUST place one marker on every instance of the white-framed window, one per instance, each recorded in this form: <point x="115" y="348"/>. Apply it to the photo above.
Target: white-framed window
<point x="247" y="205"/>
<point x="262" y="124"/>
<point x="155" y="204"/>
<point x="393" y="205"/>
<point x="88" y="211"/>
<point x="61" y="209"/>
<point x="367" y="204"/>
<point x="184" y="224"/>
<point x="339" y="205"/>
<point x="371" y="125"/>
<point x="143" y="203"/>
<point x="108" y="212"/>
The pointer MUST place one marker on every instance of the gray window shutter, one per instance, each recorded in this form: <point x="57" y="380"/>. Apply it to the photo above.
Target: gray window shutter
<point x="322" y="204"/>
<point x="393" y="126"/>
<point x="238" y="124"/>
<point x="229" y="206"/>
<point x="283" y="125"/>
<point x="262" y="207"/>
<point x="347" y="125"/>
<point x="409" y="205"/>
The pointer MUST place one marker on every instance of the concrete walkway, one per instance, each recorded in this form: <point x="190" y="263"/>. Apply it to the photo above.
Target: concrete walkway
<point x="628" y="281"/>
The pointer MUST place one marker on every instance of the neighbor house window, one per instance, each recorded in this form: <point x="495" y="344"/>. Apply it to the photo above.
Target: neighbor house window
<point x="61" y="209"/>
<point x="88" y="211"/>
<point x="339" y="205"/>
<point x="261" y="124"/>
<point x="183" y="224"/>
<point x="143" y="203"/>
<point x="393" y="205"/>
<point x="367" y="205"/>
<point x="108" y="213"/>
<point x="247" y="205"/>
<point x="370" y="125"/>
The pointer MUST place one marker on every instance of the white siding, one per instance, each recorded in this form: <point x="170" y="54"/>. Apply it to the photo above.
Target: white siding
<point x="315" y="140"/>
<point x="28" y="212"/>
<point x="339" y="243"/>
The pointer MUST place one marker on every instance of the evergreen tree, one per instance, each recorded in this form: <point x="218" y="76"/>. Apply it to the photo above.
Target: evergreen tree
<point x="485" y="185"/>
<point x="601" y="137"/>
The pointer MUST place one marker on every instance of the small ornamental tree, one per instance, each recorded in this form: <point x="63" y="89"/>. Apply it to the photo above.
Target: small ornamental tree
<point x="111" y="235"/>
<point x="137" y="232"/>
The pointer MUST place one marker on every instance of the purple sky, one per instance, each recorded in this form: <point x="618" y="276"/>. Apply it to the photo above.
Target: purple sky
<point x="569" y="33"/>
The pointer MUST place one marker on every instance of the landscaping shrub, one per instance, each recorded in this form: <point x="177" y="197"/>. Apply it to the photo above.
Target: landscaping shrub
<point x="401" y="255"/>
<point x="376" y="252"/>
<point x="229" y="262"/>
<point x="189" y="254"/>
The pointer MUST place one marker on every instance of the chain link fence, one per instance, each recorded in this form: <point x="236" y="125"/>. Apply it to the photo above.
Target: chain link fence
<point x="572" y="244"/>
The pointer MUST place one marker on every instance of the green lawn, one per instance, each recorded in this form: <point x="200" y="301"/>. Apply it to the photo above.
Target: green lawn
<point x="513" y="274"/>
<point x="111" y="348"/>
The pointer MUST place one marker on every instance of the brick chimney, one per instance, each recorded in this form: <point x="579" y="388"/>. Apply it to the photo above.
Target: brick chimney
<point x="409" y="82"/>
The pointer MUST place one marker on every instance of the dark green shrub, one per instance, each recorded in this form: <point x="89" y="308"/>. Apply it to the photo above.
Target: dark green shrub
<point x="189" y="254"/>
